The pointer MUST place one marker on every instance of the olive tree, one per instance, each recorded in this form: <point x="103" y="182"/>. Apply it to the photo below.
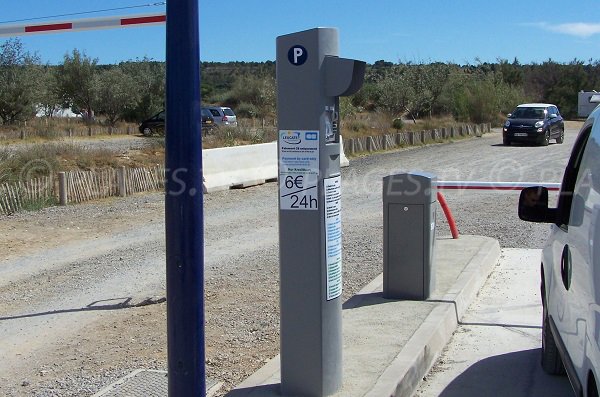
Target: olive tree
<point x="115" y="93"/>
<point x="148" y="80"/>
<point x="48" y="97"/>
<point x="394" y="91"/>
<point x="18" y="76"/>
<point x="76" y="82"/>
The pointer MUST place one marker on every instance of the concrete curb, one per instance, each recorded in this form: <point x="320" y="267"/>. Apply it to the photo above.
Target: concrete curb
<point x="404" y="374"/>
<point x="405" y="370"/>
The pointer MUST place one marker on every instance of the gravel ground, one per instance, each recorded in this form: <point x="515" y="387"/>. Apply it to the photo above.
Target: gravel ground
<point x="82" y="287"/>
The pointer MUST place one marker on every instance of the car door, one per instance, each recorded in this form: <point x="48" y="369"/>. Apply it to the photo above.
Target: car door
<point x="572" y="287"/>
<point x="584" y="247"/>
<point x="556" y="121"/>
<point x="551" y="126"/>
<point x="216" y="115"/>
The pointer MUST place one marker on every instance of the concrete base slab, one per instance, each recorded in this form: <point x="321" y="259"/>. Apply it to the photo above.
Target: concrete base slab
<point x="147" y="383"/>
<point x="389" y="345"/>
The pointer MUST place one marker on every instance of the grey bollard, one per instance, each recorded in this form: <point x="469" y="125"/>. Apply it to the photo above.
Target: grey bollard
<point x="409" y="216"/>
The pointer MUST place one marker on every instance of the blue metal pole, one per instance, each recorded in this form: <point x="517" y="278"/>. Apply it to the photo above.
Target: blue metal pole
<point x="184" y="204"/>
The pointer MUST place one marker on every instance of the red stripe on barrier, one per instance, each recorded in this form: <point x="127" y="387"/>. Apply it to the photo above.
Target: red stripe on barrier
<point x="142" y="20"/>
<point x="48" y="28"/>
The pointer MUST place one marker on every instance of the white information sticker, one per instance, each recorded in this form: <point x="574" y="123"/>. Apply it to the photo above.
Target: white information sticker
<point x="298" y="169"/>
<point x="333" y="235"/>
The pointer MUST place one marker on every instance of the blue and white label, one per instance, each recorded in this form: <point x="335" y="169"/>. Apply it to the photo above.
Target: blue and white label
<point x="297" y="55"/>
<point x="333" y="235"/>
<point x="298" y="169"/>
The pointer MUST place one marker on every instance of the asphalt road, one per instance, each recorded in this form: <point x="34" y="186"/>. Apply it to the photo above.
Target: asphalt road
<point x="495" y="350"/>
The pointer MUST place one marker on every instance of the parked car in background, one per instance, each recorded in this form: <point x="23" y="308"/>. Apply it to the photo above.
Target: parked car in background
<point x="223" y="115"/>
<point x="534" y="123"/>
<point x="156" y="124"/>
<point x="208" y="121"/>
<point x="570" y="268"/>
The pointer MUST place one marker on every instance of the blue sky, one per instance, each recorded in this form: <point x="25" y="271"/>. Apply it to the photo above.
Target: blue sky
<point x="393" y="30"/>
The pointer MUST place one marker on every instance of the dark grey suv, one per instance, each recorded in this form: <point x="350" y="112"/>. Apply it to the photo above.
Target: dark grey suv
<point x="536" y="123"/>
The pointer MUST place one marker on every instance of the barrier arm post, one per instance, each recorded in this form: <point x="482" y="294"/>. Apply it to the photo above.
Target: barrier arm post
<point x="184" y="204"/>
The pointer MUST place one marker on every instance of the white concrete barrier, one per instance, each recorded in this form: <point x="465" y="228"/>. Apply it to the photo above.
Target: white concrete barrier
<point x="343" y="159"/>
<point x="241" y="166"/>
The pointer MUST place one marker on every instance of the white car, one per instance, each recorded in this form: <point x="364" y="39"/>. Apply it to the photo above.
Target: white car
<point x="570" y="282"/>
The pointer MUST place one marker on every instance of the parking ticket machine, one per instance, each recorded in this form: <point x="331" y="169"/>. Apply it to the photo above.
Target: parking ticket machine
<point x="310" y="78"/>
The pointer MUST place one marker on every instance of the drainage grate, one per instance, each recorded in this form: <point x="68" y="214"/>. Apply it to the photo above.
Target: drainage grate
<point x="147" y="383"/>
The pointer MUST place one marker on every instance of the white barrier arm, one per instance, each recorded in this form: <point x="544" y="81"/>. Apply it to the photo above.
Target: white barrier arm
<point x="477" y="185"/>
<point x="83" y="24"/>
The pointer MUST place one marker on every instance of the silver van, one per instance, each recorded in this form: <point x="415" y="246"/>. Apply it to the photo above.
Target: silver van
<point x="570" y="268"/>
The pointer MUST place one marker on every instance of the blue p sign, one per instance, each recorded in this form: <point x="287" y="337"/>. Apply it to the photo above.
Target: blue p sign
<point x="297" y="55"/>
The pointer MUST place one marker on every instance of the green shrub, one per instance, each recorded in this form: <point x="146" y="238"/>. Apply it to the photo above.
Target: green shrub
<point x="397" y="123"/>
<point x="247" y="110"/>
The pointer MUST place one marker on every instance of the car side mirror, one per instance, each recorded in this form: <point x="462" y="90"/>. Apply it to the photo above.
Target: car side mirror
<point x="553" y="116"/>
<point x="509" y="115"/>
<point x="533" y="205"/>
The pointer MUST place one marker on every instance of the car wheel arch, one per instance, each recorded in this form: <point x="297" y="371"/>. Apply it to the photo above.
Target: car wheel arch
<point x="543" y="284"/>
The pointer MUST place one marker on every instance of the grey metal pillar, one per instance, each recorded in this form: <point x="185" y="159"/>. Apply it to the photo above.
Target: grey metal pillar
<point x="310" y="77"/>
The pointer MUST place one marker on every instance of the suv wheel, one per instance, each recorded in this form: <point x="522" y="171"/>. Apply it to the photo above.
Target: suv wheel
<point x="546" y="139"/>
<point x="147" y="131"/>
<point x="561" y="136"/>
<point x="551" y="361"/>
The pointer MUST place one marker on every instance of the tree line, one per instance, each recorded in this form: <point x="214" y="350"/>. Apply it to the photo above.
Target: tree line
<point x="134" y="90"/>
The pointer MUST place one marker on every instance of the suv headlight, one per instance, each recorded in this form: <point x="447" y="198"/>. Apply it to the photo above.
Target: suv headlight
<point x="539" y="124"/>
<point x="507" y="123"/>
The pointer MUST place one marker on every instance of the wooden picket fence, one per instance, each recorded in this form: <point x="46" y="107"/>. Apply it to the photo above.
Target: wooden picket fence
<point x="78" y="187"/>
<point x="139" y="180"/>
<point x="17" y="196"/>
<point x="90" y="185"/>
<point x="390" y="141"/>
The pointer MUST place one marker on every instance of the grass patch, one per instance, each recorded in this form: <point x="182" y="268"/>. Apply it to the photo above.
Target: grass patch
<point x="37" y="160"/>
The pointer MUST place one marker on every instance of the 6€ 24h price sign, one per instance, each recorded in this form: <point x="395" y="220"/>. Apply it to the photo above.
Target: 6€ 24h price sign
<point x="298" y="169"/>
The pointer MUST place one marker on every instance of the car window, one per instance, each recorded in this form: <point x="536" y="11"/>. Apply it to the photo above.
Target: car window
<point x="228" y="112"/>
<point x="519" y="113"/>
<point x="214" y="112"/>
<point x="565" y="198"/>
<point x="529" y="113"/>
